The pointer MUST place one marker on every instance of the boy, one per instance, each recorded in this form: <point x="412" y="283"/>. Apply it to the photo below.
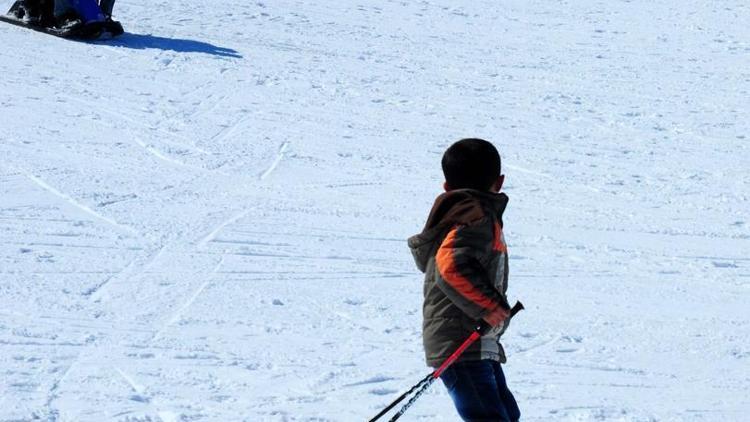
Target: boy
<point x="463" y="255"/>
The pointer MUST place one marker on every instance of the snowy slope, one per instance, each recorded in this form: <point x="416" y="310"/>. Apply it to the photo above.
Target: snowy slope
<point x="205" y="219"/>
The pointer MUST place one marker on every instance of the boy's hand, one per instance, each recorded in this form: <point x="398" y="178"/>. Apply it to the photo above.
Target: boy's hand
<point x="497" y="317"/>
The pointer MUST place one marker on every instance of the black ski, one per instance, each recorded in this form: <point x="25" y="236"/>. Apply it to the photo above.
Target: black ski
<point x="91" y="31"/>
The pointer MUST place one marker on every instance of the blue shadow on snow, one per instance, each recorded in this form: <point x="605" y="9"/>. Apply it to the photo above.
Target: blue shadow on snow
<point x="142" y="42"/>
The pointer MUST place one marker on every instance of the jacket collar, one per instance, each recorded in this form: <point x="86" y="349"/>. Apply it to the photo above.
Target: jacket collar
<point x="461" y="206"/>
<point x="464" y="206"/>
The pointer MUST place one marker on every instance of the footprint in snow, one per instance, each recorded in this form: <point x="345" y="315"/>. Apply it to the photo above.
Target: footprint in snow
<point x="139" y="398"/>
<point x="383" y="391"/>
<point x="568" y="350"/>
<point x="374" y="380"/>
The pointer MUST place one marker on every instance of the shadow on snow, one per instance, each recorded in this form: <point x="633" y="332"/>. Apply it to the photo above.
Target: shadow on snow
<point x="142" y="42"/>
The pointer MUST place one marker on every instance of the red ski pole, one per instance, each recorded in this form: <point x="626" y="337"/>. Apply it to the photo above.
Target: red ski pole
<point x="425" y="383"/>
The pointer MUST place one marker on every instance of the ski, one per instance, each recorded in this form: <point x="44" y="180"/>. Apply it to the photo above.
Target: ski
<point x="90" y="31"/>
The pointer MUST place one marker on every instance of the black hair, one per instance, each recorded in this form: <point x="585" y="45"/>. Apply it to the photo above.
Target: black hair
<point x="471" y="164"/>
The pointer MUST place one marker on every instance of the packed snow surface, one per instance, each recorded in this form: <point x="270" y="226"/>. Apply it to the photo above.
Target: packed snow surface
<point x="205" y="219"/>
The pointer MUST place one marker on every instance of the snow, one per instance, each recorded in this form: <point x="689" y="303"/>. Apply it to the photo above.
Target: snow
<point x="205" y="219"/>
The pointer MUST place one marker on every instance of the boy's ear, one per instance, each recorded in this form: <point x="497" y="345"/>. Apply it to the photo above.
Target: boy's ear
<point x="446" y="187"/>
<point x="498" y="183"/>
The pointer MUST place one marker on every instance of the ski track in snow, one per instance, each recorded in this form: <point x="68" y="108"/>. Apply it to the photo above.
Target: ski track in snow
<point x="176" y="316"/>
<point x="276" y="162"/>
<point x="180" y="142"/>
<point x="52" y="395"/>
<point x="212" y="235"/>
<point x="133" y="270"/>
<point x="44" y="185"/>
<point x="164" y="415"/>
<point x="543" y="175"/>
<point x="229" y="130"/>
<point x="251" y="293"/>
<point x="160" y="155"/>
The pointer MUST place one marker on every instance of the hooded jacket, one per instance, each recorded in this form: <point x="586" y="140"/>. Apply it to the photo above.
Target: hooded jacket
<point x="463" y="255"/>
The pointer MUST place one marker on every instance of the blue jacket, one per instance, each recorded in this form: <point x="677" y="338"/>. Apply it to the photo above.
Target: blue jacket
<point x="88" y="10"/>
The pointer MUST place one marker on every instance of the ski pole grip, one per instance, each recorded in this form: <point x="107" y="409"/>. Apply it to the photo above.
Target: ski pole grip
<point x="483" y="327"/>
<point x="518" y="307"/>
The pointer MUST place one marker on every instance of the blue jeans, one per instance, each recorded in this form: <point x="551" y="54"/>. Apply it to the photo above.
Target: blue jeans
<point x="479" y="391"/>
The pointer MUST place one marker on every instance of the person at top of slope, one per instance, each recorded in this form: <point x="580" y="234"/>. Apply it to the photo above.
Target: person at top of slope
<point x="463" y="254"/>
<point x="63" y="13"/>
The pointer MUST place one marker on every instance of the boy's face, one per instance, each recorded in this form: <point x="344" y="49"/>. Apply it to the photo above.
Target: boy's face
<point x="495" y="188"/>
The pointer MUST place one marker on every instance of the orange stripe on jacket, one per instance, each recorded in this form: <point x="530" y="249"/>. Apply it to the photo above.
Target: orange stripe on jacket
<point x="446" y="264"/>
<point x="499" y="245"/>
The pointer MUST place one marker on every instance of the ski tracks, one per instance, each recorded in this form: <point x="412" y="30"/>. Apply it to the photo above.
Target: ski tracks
<point x="163" y="156"/>
<point x="123" y="229"/>
<point x="133" y="270"/>
<point x="212" y="235"/>
<point x="52" y="395"/>
<point x="177" y="140"/>
<point x="176" y="316"/>
<point x="229" y="130"/>
<point x="142" y="396"/>
<point x="546" y="176"/>
<point x="279" y="157"/>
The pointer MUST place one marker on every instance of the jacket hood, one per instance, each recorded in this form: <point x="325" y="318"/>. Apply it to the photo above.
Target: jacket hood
<point x="461" y="206"/>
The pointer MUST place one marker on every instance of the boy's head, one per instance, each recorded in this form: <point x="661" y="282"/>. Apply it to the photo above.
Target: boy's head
<point x="472" y="164"/>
